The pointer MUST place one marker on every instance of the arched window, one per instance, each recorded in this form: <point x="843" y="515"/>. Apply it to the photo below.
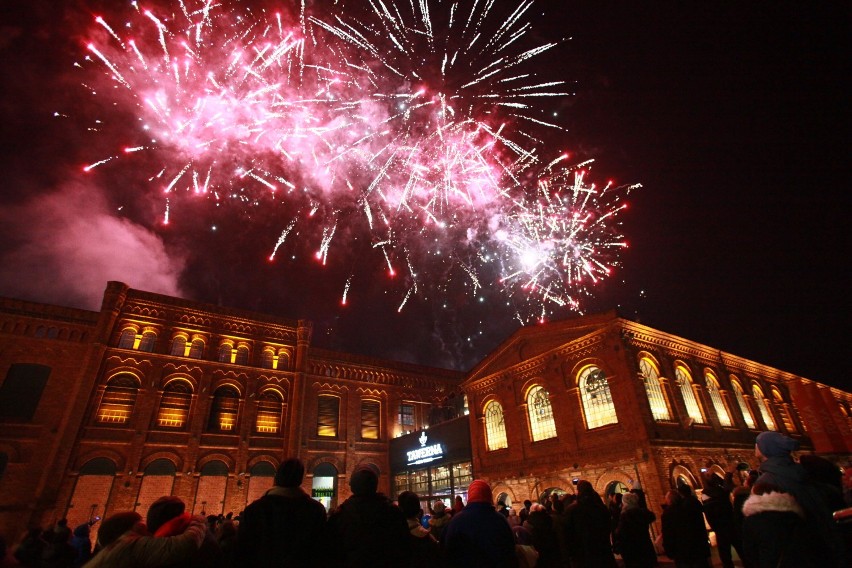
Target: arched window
<point x="540" y="413"/>
<point x="269" y="412"/>
<point x="656" y="398"/>
<point x="196" y="350"/>
<point x="783" y="410"/>
<point x="223" y="412"/>
<point x="741" y="401"/>
<point x="267" y="358"/>
<point x="242" y="357"/>
<point x="495" y="427"/>
<point x="118" y="399"/>
<point x="684" y="380"/>
<point x="764" y="410"/>
<point x="127" y="339"/>
<point x="328" y="415"/>
<point x="178" y="346"/>
<point x="370" y="419"/>
<point x="598" y="408"/>
<point x="716" y="397"/>
<point x="174" y="406"/>
<point x="149" y="339"/>
<point x="225" y="353"/>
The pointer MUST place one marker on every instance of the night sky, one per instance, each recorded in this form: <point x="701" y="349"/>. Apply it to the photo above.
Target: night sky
<point x="731" y="115"/>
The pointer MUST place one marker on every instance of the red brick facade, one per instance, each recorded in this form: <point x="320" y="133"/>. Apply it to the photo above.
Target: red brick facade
<point x="155" y="395"/>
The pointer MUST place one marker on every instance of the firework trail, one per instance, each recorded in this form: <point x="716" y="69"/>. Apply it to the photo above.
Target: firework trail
<point x="415" y="122"/>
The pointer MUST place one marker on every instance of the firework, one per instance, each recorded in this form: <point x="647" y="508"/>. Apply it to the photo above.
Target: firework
<point x="414" y="122"/>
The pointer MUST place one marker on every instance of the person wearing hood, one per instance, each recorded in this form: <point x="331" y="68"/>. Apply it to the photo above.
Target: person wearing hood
<point x="367" y="529"/>
<point x="478" y="536"/>
<point x="774" y="533"/>
<point x="631" y="538"/>
<point x="439" y="520"/>
<point x="777" y="469"/>
<point x="284" y="527"/>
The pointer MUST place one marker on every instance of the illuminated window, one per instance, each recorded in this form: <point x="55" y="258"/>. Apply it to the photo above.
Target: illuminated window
<point x="495" y="427"/>
<point x="149" y="340"/>
<point x="596" y="397"/>
<point x="683" y="379"/>
<point x="242" y="357"/>
<point x="716" y="397"/>
<point x="196" y="350"/>
<point x="270" y="408"/>
<point x="127" y="339"/>
<point x="406" y="414"/>
<point x="267" y="358"/>
<point x="741" y="401"/>
<point x="784" y="411"/>
<point x="174" y="406"/>
<point x="178" y="346"/>
<point x="370" y="419"/>
<point x="764" y="410"/>
<point x="540" y="413"/>
<point x="223" y="411"/>
<point x="225" y="353"/>
<point x="118" y="400"/>
<point x="651" y="377"/>
<point x="328" y="415"/>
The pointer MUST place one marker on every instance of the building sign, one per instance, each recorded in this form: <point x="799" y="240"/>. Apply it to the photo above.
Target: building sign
<point x="425" y="454"/>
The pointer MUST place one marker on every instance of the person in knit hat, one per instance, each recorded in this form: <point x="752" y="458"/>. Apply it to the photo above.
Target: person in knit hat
<point x="439" y="520"/>
<point x="367" y="529"/>
<point x="777" y="469"/>
<point x="479" y="535"/>
<point x="285" y="527"/>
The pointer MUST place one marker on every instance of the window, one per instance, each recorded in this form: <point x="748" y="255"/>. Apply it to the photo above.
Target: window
<point x="741" y="401"/>
<point x="269" y="412"/>
<point x="495" y="427"/>
<point x="225" y="353"/>
<point x="598" y="408"/>
<point x="267" y="358"/>
<point x="540" y="413"/>
<point x="22" y="390"/>
<point x="328" y="415"/>
<point x="127" y="339"/>
<point x="764" y="410"/>
<point x="118" y="400"/>
<point x="716" y="397"/>
<point x="693" y="410"/>
<point x="242" y="357"/>
<point x="223" y="411"/>
<point x="149" y="339"/>
<point x="178" y="346"/>
<point x="196" y="350"/>
<point x="370" y="419"/>
<point x="651" y="377"/>
<point x="783" y="410"/>
<point x="174" y="406"/>
<point x="406" y="414"/>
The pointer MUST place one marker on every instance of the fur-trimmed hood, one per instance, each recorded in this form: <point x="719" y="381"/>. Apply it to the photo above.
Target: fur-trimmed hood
<point x="772" y="502"/>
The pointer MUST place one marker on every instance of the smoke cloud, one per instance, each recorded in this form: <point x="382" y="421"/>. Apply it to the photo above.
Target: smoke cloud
<point x="64" y="246"/>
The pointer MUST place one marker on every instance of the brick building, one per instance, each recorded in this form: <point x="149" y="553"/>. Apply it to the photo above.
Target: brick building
<point x="152" y="395"/>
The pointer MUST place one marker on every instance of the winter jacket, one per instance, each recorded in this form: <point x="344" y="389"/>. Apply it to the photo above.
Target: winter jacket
<point x="424" y="549"/>
<point x="684" y="535"/>
<point x="437" y="524"/>
<point x="283" y="528"/>
<point x="586" y="533"/>
<point x="367" y="530"/>
<point x="632" y="539"/>
<point x="479" y="537"/>
<point x="774" y="534"/>
<point x="134" y="550"/>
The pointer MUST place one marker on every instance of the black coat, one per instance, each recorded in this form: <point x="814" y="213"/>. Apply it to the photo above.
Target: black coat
<point x="368" y="530"/>
<point x="586" y="533"/>
<point x="774" y="533"/>
<point x="632" y="539"/>
<point x="684" y="535"/>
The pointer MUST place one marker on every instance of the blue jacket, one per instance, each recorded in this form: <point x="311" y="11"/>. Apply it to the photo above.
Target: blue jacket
<point x="479" y="537"/>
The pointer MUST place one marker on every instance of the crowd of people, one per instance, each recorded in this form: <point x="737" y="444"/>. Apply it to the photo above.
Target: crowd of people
<point x="780" y="517"/>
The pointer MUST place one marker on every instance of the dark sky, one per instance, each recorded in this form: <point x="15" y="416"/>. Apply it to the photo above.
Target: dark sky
<point x="731" y="115"/>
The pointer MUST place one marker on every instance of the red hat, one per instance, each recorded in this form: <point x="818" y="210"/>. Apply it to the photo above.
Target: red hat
<point x="479" y="492"/>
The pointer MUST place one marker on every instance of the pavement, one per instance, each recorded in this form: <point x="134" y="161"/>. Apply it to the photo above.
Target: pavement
<point x="666" y="562"/>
